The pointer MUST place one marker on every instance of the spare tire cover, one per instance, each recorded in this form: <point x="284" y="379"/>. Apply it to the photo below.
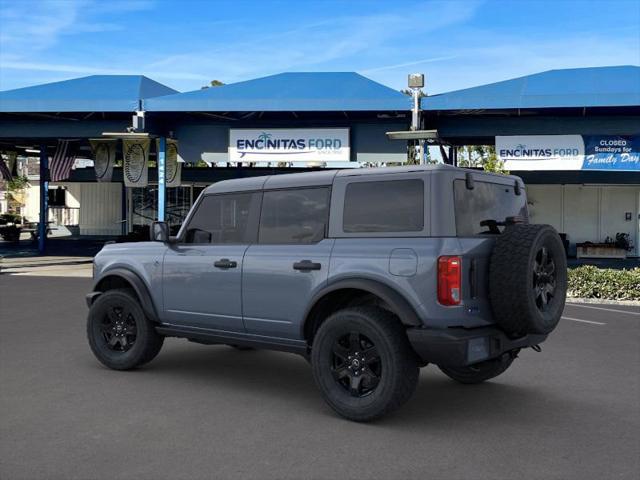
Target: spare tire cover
<point x="528" y="279"/>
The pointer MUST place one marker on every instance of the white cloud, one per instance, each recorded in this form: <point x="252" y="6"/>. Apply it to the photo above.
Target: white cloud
<point x="408" y="64"/>
<point x="436" y="37"/>
<point x="349" y="40"/>
<point x="31" y="27"/>
<point x="500" y="57"/>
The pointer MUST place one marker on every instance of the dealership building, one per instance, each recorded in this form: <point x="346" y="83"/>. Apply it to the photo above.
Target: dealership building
<point x="573" y="135"/>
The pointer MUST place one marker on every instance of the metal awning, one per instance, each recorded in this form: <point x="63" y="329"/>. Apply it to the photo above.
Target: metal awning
<point x="96" y="93"/>
<point x="288" y="92"/>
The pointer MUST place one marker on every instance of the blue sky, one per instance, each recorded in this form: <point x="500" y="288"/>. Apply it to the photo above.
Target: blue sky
<point x="184" y="44"/>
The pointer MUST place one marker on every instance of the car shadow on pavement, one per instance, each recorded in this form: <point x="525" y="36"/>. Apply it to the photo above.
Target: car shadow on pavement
<point x="437" y="402"/>
<point x="267" y="373"/>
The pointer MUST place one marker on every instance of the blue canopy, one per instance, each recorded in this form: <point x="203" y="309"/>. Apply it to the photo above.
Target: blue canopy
<point x="289" y="92"/>
<point x="577" y="87"/>
<point x="96" y="93"/>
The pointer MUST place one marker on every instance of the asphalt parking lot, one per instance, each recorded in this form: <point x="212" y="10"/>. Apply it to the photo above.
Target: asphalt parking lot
<point x="572" y="411"/>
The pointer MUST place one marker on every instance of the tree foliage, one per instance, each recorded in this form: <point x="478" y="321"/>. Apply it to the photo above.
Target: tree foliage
<point x="484" y="156"/>
<point x="213" y="83"/>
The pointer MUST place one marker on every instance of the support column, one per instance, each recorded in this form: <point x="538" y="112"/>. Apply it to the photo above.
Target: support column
<point x="124" y="210"/>
<point x="44" y="199"/>
<point x="162" y="190"/>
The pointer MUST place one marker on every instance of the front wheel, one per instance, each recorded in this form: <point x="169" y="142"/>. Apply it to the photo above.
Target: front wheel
<point x="363" y="363"/>
<point x="479" y="372"/>
<point x="120" y="335"/>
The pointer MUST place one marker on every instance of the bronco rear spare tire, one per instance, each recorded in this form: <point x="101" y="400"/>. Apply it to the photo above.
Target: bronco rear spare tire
<point x="528" y="279"/>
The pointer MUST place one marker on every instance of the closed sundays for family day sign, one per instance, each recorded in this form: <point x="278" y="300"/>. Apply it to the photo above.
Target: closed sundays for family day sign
<point x="569" y="152"/>
<point x="289" y="145"/>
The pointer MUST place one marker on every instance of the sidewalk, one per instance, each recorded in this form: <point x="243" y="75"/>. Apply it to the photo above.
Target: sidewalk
<point x="56" y="247"/>
<point x="47" y="266"/>
<point x="44" y="261"/>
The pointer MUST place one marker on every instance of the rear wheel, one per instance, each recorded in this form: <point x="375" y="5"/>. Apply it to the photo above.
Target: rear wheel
<point x="120" y="335"/>
<point x="363" y="363"/>
<point x="479" y="372"/>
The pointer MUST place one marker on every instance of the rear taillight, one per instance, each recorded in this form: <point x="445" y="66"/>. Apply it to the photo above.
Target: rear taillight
<point x="449" y="280"/>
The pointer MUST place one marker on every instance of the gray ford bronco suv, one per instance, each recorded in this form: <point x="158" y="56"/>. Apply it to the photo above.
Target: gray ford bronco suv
<point x="368" y="273"/>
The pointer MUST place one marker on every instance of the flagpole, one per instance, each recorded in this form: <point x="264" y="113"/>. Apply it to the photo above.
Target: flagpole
<point x="44" y="199"/>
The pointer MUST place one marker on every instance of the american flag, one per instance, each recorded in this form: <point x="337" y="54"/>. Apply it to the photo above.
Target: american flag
<point x="62" y="161"/>
<point x="4" y="170"/>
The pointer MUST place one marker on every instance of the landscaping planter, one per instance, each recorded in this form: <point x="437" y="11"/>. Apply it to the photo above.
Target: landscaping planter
<point x="600" y="250"/>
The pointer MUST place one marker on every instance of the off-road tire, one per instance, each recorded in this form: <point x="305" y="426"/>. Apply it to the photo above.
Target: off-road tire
<point x="515" y="276"/>
<point x="397" y="363"/>
<point x="147" y="342"/>
<point x="479" y="372"/>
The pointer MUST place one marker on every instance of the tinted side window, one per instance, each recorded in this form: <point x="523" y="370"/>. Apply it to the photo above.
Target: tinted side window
<point x="294" y="216"/>
<point x="385" y="206"/>
<point x="487" y="201"/>
<point x="228" y="218"/>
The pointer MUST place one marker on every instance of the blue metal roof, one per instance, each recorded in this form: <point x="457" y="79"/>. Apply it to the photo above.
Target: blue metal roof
<point x="577" y="87"/>
<point x="299" y="92"/>
<point x="96" y="93"/>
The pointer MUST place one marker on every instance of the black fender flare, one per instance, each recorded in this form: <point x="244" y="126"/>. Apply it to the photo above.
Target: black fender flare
<point x="396" y="301"/>
<point x="136" y="283"/>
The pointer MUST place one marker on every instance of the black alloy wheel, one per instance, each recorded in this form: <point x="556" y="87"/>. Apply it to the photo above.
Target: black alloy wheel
<point x="544" y="282"/>
<point x="118" y="328"/>
<point x="356" y="364"/>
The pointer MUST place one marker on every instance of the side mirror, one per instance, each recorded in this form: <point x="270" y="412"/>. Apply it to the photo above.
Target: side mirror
<point x="159" y="232"/>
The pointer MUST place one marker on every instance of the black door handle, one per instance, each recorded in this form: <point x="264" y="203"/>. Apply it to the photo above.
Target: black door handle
<point x="225" y="263"/>
<point x="306" y="265"/>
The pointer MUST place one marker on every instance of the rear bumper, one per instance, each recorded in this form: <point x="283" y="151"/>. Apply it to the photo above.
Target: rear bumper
<point x="458" y="347"/>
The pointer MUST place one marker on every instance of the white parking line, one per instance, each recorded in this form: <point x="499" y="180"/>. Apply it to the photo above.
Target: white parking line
<point x="602" y="308"/>
<point x="582" y="321"/>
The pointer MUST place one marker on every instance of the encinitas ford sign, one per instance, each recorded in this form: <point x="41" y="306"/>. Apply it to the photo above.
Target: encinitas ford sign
<point x="569" y="152"/>
<point x="289" y="145"/>
<point x="541" y="152"/>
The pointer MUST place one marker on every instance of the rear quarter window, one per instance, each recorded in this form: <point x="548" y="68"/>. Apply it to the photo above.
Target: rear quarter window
<point x="487" y="201"/>
<point x="384" y="206"/>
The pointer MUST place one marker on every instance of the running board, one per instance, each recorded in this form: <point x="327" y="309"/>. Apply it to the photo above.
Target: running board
<point x="214" y="337"/>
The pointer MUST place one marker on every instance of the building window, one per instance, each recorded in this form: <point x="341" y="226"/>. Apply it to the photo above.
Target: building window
<point x="384" y="206"/>
<point x="57" y="197"/>
<point x="294" y="216"/>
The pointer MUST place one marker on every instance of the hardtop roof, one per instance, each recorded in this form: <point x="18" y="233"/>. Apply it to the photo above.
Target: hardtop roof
<point x="320" y="178"/>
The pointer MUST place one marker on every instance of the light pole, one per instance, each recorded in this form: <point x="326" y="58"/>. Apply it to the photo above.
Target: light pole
<point x="416" y="83"/>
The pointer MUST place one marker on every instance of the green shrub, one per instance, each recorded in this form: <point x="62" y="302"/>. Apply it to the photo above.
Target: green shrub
<point x="588" y="281"/>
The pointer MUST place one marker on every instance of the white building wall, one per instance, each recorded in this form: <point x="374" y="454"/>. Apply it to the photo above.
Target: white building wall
<point x="31" y="208"/>
<point x="581" y="213"/>
<point x="100" y="206"/>
<point x="73" y="195"/>
<point x="587" y="212"/>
